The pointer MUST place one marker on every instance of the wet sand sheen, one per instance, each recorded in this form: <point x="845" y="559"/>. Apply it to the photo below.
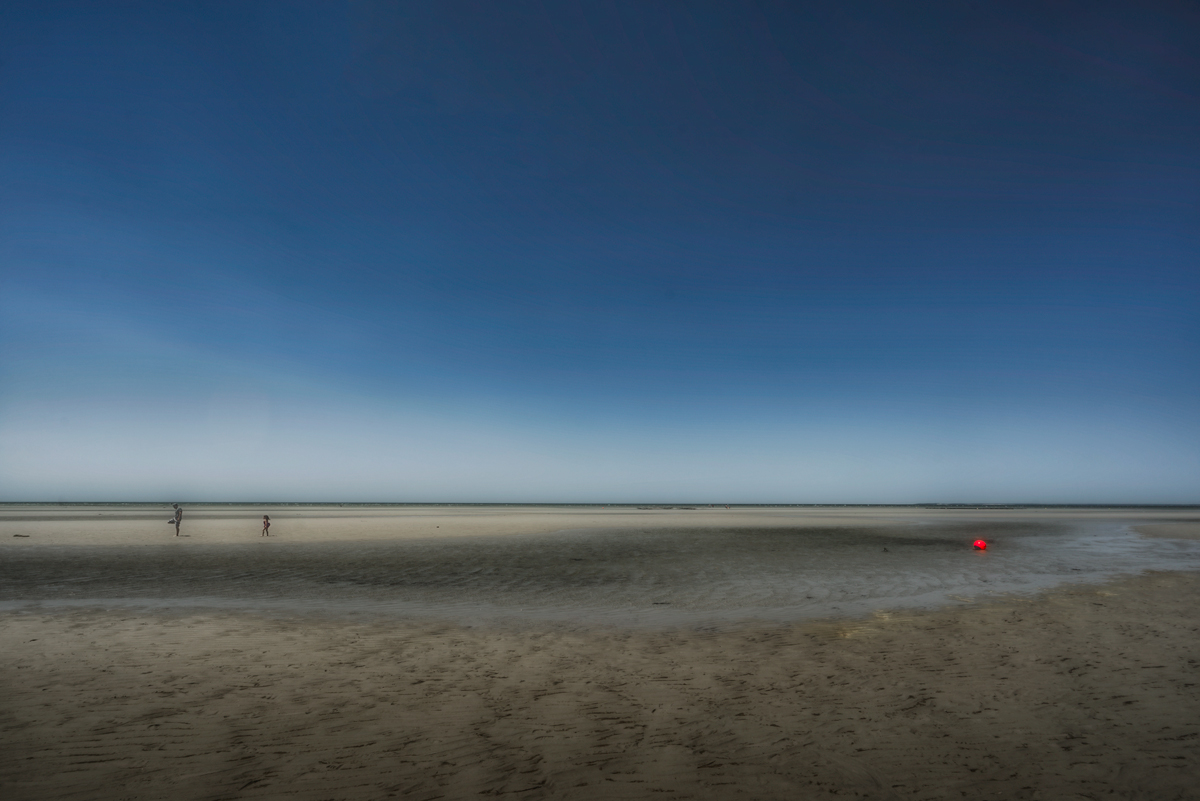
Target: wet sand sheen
<point x="657" y="577"/>
<point x="773" y="565"/>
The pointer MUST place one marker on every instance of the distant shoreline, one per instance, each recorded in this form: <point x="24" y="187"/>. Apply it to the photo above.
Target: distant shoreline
<point x="621" y="504"/>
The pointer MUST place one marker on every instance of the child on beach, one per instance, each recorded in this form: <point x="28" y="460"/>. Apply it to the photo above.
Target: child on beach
<point x="178" y="517"/>
<point x="266" y="525"/>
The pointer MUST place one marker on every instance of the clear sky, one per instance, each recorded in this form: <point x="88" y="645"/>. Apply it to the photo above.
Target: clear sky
<point x="600" y="251"/>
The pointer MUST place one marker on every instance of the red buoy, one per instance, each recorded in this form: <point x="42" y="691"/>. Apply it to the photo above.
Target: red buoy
<point x="980" y="545"/>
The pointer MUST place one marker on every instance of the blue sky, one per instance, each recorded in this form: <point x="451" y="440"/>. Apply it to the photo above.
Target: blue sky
<point x="716" y="252"/>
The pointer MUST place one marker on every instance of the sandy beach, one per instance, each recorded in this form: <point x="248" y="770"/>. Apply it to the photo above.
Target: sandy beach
<point x="1088" y="690"/>
<point x="141" y="524"/>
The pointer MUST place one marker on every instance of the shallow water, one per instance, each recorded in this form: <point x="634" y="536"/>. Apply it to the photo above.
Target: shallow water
<point x="660" y="577"/>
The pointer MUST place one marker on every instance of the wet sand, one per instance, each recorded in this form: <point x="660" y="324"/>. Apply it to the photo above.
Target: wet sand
<point x="648" y="567"/>
<point x="1178" y="530"/>
<point x="1086" y="691"/>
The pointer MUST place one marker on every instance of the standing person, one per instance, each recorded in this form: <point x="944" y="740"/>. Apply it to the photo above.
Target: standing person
<point x="266" y="525"/>
<point x="178" y="517"/>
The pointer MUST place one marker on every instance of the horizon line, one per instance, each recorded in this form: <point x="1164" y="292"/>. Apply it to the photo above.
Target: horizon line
<point x="636" y="504"/>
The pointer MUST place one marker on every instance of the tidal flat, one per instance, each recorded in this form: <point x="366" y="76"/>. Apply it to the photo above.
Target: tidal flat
<point x="588" y="652"/>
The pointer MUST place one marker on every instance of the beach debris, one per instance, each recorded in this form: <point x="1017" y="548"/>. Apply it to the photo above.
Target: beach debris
<point x="980" y="545"/>
<point x="26" y="536"/>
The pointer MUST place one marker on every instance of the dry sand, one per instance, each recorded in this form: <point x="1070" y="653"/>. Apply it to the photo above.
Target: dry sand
<point x="1083" y="692"/>
<point x="144" y="524"/>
